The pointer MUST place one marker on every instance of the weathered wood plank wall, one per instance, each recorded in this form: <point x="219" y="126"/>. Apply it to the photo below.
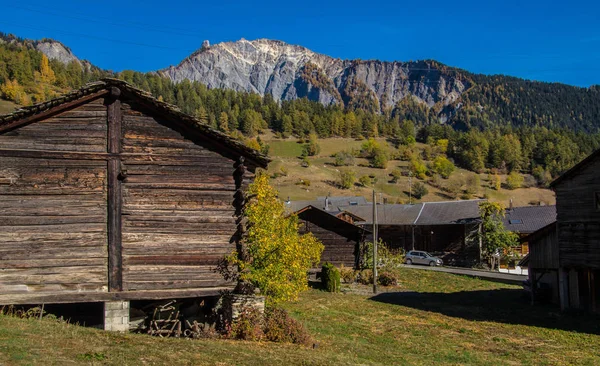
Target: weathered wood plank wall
<point x="178" y="218"/>
<point x="579" y="219"/>
<point x="53" y="230"/>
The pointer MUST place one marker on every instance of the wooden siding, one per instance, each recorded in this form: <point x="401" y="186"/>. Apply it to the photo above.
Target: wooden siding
<point x="340" y="239"/>
<point x="104" y="202"/>
<point x="543" y="250"/>
<point x="53" y="226"/>
<point x="578" y="219"/>
<point x="82" y="129"/>
<point x="178" y="219"/>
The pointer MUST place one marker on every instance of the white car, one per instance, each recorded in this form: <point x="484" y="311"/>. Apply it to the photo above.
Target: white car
<point x="419" y="257"/>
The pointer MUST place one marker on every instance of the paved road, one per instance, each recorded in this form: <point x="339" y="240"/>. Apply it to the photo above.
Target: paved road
<point x="513" y="279"/>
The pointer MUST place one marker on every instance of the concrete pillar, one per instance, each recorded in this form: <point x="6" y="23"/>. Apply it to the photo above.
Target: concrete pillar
<point x="116" y="316"/>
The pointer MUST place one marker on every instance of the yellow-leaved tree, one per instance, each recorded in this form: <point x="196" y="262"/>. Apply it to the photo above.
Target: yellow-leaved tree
<point x="277" y="257"/>
<point x="46" y="73"/>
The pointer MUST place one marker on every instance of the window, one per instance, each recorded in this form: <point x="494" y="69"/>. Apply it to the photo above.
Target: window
<point x="597" y="200"/>
<point x="515" y="221"/>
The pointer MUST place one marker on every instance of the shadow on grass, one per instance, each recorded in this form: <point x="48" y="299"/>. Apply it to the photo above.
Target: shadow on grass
<point x="503" y="306"/>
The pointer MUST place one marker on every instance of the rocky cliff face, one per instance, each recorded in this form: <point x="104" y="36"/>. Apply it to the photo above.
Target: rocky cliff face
<point x="289" y="72"/>
<point x="56" y="51"/>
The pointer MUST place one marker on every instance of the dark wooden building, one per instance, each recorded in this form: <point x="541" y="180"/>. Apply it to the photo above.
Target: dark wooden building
<point x="543" y="263"/>
<point x="578" y="228"/>
<point x="448" y="228"/>
<point x="340" y="238"/>
<point x="108" y="194"/>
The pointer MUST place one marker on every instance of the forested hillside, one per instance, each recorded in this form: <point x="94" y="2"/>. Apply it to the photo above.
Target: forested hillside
<point x="506" y="124"/>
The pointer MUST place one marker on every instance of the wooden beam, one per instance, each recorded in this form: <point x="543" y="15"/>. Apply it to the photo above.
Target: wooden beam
<point x="78" y="297"/>
<point x="52" y="111"/>
<point x="115" y="199"/>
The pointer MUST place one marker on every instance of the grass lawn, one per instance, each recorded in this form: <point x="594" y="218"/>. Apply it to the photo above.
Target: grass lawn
<point x="433" y="318"/>
<point x="7" y="106"/>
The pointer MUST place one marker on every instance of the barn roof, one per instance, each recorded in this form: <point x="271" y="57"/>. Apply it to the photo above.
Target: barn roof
<point x="577" y="167"/>
<point x="45" y="109"/>
<point x="528" y="219"/>
<point x="334" y="203"/>
<point x="426" y="213"/>
<point x="324" y="216"/>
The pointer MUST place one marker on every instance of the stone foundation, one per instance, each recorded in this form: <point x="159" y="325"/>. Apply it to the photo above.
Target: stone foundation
<point x="116" y="316"/>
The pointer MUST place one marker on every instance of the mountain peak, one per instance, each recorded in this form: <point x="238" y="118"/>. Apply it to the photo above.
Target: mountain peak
<point x="290" y="71"/>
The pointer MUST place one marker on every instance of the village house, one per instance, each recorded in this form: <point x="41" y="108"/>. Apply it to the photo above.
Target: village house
<point x="526" y="220"/>
<point x="449" y="228"/>
<point x="109" y="195"/>
<point x="340" y="237"/>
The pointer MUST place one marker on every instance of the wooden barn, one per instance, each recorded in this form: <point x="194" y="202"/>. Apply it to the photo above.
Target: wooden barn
<point x="543" y="264"/>
<point x="108" y="194"/>
<point x="341" y="238"/>
<point x="448" y="228"/>
<point x="578" y="228"/>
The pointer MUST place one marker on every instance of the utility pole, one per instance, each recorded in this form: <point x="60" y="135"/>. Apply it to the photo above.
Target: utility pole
<point x="410" y="188"/>
<point x="374" y="243"/>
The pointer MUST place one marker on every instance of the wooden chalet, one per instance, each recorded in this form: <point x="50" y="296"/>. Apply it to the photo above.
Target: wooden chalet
<point x="108" y="194"/>
<point x="342" y="239"/>
<point x="578" y="231"/>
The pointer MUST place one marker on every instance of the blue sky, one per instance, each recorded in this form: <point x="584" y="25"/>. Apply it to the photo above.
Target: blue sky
<point x="539" y="40"/>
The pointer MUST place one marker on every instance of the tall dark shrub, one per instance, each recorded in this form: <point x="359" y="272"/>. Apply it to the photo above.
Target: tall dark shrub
<point x="330" y="277"/>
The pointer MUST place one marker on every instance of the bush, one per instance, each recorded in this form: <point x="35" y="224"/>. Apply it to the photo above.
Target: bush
<point x="442" y="166"/>
<point x="396" y="174"/>
<point x="281" y="327"/>
<point x="347" y="274"/>
<point x="365" y="277"/>
<point x="418" y="169"/>
<point x="514" y="180"/>
<point x="343" y="158"/>
<point x="347" y="179"/>
<point x="330" y="277"/>
<point x="380" y="159"/>
<point x="387" y="278"/>
<point x="385" y="258"/>
<point x="248" y="326"/>
<point x="419" y="190"/>
<point x="365" y="181"/>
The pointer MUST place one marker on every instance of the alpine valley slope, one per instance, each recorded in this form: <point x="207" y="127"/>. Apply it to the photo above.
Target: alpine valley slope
<point x="289" y="72"/>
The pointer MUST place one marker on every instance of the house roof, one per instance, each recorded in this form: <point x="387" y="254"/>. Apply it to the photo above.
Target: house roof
<point x="53" y="106"/>
<point x="324" y="215"/>
<point x="528" y="219"/>
<point x="387" y="214"/>
<point x="426" y="213"/>
<point x="334" y="203"/>
<point x="577" y="167"/>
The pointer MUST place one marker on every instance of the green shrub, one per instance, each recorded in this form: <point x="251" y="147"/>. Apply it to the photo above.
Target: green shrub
<point x="387" y="278"/>
<point x="385" y="257"/>
<point x="330" y="278"/>
<point x="365" y="181"/>
<point x="514" y="180"/>
<point x="380" y="159"/>
<point x="442" y="166"/>
<point x="281" y="327"/>
<point x="419" y="190"/>
<point x="347" y="179"/>
<point x="396" y="174"/>
<point x="305" y="162"/>
<point x="343" y="158"/>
